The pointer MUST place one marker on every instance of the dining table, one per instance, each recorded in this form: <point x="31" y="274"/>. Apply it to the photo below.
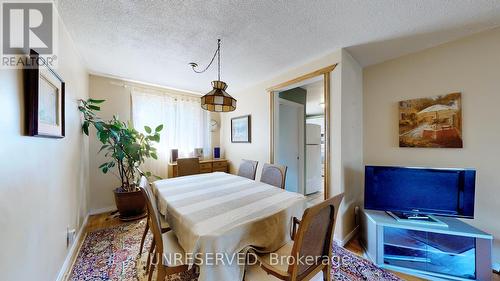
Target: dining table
<point x="220" y="216"/>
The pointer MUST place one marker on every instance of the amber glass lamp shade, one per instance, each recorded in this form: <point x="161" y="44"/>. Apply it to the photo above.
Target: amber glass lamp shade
<point x="217" y="100"/>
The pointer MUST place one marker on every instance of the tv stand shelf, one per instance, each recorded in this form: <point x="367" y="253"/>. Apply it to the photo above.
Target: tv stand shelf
<point x="457" y="252"/>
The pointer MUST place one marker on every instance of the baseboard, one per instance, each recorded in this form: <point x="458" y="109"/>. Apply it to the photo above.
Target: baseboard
<point x="102" y="210"/>
<point x="68" y="261"/>
<point x="348" y="237"/>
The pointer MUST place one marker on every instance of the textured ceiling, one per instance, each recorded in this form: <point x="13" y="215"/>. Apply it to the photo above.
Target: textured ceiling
<point x="153" y="41"/>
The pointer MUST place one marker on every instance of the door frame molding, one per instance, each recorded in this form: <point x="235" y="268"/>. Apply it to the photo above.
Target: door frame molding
<point x="325" y="73"/>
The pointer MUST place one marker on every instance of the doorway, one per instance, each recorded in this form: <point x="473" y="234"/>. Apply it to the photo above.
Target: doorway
<point x="310" y="93"/>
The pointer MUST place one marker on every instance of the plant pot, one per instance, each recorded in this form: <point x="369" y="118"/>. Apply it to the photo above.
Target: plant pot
<point x="131" y="205"/>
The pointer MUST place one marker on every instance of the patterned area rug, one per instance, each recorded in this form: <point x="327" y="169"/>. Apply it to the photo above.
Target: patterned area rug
<point x="347" y="266"/>
<point x="112" y="254"/>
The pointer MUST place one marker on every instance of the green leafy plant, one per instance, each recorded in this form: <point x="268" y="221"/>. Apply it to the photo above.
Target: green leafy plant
<point x="125" y="147"/>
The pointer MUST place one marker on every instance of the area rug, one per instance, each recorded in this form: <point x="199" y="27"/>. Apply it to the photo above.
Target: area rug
<point x="113" y="254"/>
<point x="110" y="253"/>
<point x="347" y="266"/>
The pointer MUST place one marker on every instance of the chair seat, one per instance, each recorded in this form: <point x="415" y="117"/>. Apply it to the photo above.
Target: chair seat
<point x="173" y="254"/>
<point x="255" y="273"/>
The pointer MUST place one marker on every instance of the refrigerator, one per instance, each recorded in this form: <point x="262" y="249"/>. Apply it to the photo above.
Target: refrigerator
<point x="313" y="159"/>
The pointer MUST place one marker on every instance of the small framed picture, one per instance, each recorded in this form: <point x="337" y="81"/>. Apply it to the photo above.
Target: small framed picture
<point x="241" y="129"/>
<point x="44" y="99"/>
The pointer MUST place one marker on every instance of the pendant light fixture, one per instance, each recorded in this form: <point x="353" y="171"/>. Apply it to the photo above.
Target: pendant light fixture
<point x="217" y="100"/>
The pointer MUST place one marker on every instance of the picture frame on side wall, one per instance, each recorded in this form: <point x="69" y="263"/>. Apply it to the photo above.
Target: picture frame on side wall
<point x="44" y="99"/>
<point x="241" y="129"/>
<point x="431" y="122"/>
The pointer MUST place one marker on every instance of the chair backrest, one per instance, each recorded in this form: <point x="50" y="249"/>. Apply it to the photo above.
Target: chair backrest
<point x="188" y="166"/>
<point x="274" y="175"/>
<point x="248" y="169"/>
<point x="314" y="237"/>
<point x="147" y="186"/>
<point x="153" y="215"/>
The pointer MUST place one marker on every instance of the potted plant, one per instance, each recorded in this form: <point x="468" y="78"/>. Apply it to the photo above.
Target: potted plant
<point x="126" y="149"/>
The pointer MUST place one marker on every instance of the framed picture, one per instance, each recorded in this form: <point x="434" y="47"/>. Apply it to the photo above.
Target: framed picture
<point x="241" y="129"/>
<point x="431" y="122"/>
<point x="44" y="99"/>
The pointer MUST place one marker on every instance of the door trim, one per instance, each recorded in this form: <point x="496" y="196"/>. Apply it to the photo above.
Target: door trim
<point x="301" y="78"/>
<point x="325" y="73"/>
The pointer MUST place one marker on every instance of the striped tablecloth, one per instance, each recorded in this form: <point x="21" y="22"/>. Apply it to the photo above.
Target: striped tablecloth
<point x="222" y="213"/>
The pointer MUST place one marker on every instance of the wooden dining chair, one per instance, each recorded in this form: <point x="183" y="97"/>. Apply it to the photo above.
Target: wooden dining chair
<point x="313" y="238"/>
<point x="188" y="166"/>
<point x="168" y="254"/>
<point x="163" y="223"/>
<point x="248" y="169"/>
<point x="274" y="175"/>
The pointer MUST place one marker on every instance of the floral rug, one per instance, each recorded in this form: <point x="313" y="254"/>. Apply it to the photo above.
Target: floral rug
<point x="112" y="254"/>
<point x="347" y="266"/>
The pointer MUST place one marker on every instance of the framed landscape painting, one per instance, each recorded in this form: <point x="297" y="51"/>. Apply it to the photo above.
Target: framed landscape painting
<point x="44" y="98"/>
<point x="241" y="129"/>
<point x="431" y="122"/>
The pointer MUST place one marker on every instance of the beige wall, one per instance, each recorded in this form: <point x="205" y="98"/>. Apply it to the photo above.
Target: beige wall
<point x="351" y="141"/>
<point x="43" y="182"/>
<point x="117" y="93"/>
<point x="345" y="113"/>
<point x="470" y="66"/>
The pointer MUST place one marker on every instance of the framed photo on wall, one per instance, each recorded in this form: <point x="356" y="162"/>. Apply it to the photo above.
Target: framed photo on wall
<point x="44" y="100"/>
<point x="434" y="122"/>
<point x="241" y="129"/>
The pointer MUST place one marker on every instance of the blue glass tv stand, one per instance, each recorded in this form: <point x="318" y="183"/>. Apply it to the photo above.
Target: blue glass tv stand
<point x="456" y="252"/>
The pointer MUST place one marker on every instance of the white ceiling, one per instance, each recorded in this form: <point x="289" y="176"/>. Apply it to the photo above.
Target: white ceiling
<point x="153" y="41"/>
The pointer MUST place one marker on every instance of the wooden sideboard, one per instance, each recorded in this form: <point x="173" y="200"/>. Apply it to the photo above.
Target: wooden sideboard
<point x="206" y="166"/>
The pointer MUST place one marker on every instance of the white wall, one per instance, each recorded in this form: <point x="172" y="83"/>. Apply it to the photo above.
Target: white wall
<point x="43" y="182"/>
<point x="470" y="66"/>
<point x="117" y="93"/>
<point x="352" y="171"/>
<point x="255" y="101"/>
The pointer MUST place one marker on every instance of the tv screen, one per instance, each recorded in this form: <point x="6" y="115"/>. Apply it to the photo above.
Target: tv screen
<point x="446" y="192"/>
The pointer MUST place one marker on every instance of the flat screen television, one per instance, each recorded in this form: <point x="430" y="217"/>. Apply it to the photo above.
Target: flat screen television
<point x="425" y="191"/>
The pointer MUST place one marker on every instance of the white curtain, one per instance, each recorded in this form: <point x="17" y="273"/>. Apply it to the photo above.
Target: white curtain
<point x="185" y="125"/>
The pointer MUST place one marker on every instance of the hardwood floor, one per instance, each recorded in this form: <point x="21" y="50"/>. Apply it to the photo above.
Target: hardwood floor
<point x="103" y="220"/>
<point x="111" y="219"/>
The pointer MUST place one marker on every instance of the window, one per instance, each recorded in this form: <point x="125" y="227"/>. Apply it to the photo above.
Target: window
<point x="185" y="125"/>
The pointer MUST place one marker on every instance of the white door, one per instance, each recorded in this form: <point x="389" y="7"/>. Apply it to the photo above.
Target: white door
<point x="290" y="146"/>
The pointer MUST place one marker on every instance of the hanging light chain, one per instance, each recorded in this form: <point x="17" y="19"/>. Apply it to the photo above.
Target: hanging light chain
<point x="218" y="59"/>
<point x="217" y="53"/>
